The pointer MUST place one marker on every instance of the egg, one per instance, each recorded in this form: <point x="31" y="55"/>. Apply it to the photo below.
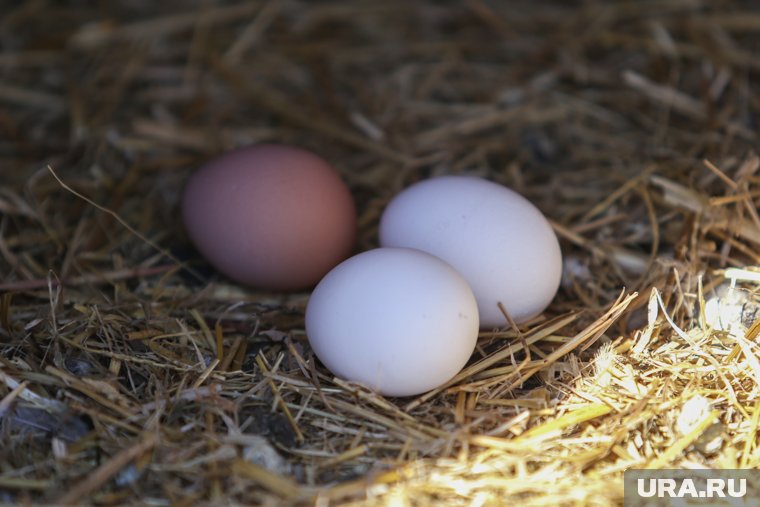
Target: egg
<point x="498" y="240"/>
<point x="270" y="216"/>
<point x="396" y="320"/>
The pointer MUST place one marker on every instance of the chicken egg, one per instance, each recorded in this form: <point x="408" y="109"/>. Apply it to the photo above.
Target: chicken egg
<point x="396" y="320"/>
<point x="270" y="216"/>
<point x="498" y="240"/>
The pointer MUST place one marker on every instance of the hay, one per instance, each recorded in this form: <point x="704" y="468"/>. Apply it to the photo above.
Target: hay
<point x="132" y="374"/>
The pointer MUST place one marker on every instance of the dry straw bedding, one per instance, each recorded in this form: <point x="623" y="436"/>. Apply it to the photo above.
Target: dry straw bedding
<point x="132" y="374"/>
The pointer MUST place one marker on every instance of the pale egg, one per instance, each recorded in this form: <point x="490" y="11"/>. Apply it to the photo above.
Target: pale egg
<point x="498" y="240"/>
<point x="396" y="320"/>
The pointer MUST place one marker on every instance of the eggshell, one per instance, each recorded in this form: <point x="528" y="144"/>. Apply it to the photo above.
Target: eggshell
<point x="270" y="216"/>
<point x="500" y="242"/>
<point x="394" y="319"/>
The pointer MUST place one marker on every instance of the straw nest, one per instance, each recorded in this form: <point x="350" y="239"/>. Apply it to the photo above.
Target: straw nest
<point x="133" y="374"/>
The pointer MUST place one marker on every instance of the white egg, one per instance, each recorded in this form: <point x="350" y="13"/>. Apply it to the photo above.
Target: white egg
<point x="498" y="240"/>
<point x="397" y="320"/>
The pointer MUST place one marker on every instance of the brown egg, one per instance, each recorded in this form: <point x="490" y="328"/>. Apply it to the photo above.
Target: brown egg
<point x="270" y="216"/>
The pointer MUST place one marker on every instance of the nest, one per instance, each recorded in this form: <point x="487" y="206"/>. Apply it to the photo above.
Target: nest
<point x="133" y="374"/>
